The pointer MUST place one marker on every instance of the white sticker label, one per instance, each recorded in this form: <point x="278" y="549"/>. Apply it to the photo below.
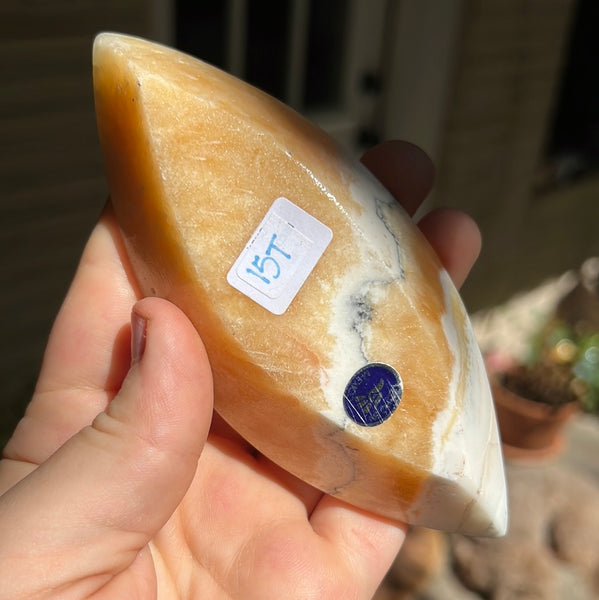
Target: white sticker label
<point x="280" y="255"/>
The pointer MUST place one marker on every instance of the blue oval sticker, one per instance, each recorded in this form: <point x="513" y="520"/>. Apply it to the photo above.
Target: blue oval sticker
<point x="373" y="394"/>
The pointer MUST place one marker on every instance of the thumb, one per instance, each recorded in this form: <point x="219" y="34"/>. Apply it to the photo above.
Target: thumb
<point x="85" y="514"/>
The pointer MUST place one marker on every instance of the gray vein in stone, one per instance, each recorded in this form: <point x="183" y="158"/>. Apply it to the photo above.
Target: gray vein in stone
<point x="361" y="310"/>
<point x="380" y="203"/>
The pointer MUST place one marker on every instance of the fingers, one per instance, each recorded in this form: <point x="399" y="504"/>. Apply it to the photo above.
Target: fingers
<point x="455" y="238"/>
<point x="367" y="544"/>
<point x="87" y="355"/>
<point x="92" y="507"/>
<point x="81" y="347"/>
<point x="404" y="169"/>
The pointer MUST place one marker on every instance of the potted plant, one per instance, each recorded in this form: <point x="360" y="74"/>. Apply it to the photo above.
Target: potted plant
<point x="533" y="402"/>
<point x="534" y="399"/>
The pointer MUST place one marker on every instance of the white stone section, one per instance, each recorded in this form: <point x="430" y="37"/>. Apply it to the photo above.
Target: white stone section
<point x="361" y="281"/>
<point x="467" y="453"/>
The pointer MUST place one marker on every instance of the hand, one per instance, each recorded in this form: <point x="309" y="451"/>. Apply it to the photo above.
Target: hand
<point x="120" y="483"/>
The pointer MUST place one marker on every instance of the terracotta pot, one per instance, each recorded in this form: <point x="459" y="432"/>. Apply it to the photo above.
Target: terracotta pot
<point x="529" y="430"/>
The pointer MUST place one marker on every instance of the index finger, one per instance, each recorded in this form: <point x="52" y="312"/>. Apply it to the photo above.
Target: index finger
<point x="404" y="169"/>
<point x="88" y="352"/>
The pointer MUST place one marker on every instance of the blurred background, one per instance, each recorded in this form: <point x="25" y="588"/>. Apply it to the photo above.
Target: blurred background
<point x="502" y="94"/>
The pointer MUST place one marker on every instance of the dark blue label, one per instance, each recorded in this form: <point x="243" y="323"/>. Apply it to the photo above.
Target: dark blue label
<point x="373" y="394"/>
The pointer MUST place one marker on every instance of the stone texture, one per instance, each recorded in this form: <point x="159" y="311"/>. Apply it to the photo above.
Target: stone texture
<point x="195" y="159"/>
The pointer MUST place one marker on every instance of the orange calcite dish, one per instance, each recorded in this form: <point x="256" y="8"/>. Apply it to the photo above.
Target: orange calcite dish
<point x="339" y="346"/>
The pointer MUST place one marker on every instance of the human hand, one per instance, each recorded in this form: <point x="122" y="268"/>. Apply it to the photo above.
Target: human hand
<point x="119" y="482"/>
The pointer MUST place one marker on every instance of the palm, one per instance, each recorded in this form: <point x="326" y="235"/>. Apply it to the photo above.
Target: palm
<point x="245" y="528"/>
<point x="260" y="534"/>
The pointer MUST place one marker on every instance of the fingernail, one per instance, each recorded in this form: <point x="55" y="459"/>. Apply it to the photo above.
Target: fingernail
<point x="139" y="327"/>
